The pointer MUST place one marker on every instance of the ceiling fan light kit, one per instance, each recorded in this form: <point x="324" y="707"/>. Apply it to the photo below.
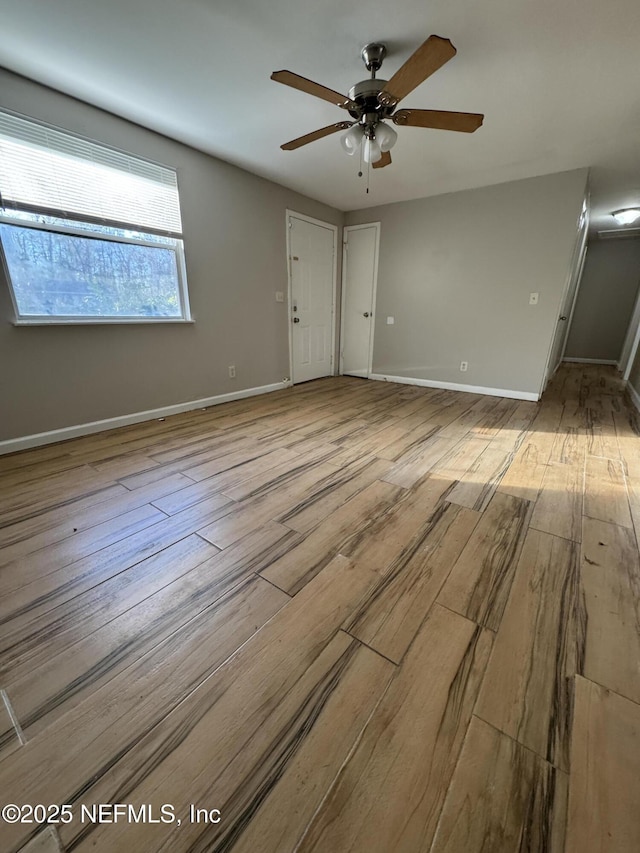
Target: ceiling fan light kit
<point x="372" y="103"/>
<point x="371" y="151"/>
<point x="352" y="139"/>
<point x="386" y="136"/>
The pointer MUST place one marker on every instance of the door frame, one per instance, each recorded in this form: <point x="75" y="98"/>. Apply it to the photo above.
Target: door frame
<point x="575" y="273"/>
<point x="631" y="341"/>
<point x="581" y="265"/>
<point x="334" y="288"/>
<point x="374" y="294"/>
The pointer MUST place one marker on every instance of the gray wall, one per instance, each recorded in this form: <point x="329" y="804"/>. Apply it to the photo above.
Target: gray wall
<point x="235" y="245"/>
<point x="456" y="272"/>
<point x="605" y="300"/>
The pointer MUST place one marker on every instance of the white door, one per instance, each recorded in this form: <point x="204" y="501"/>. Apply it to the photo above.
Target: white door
<point x="311" y="297"/>
<point x="570" y="296"/>
<point x="359" y="274"/>
<point x="631" y="341"/>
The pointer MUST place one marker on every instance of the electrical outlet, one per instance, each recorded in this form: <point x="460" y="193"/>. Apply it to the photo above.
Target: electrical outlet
<point x="390" y="321"/>
<point x="232" y="371"/>
<point x="464" y="365"/>
<point x="533" y="298"/>
<point x="279" y="296"/>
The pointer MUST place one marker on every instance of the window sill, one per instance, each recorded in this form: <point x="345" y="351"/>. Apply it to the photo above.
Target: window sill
<point x="137" y="321"/>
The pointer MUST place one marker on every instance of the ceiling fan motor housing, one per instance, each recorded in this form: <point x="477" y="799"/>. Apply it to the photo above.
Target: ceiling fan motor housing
<point x="365" y="95"/>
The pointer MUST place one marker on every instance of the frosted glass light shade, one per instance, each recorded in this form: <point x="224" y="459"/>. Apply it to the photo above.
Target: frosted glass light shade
<point x="627" y="216"/>
<point x="385" y="136"/>
<point x="371" y="152"/>
<point x="351" y="140"/>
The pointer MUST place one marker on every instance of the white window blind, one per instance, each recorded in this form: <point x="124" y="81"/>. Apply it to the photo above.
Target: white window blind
<point x="45" y="169"/>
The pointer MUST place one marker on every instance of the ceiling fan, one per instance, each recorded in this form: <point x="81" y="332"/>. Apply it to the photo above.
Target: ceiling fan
<point x="372" y="103"/>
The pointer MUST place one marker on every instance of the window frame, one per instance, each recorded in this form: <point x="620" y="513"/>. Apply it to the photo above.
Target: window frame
<point x="175" y="239"/>
<point x="96" y="319"/>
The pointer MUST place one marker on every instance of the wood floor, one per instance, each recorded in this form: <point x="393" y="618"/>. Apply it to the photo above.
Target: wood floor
<point x="352" y="616"/>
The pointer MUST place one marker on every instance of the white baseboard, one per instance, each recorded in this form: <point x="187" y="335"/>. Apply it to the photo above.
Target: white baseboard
<point x="592" y="360"/>
<point x="455" y="386"/>
<point x="633" y="394"/>
<point x="25" y="442"/>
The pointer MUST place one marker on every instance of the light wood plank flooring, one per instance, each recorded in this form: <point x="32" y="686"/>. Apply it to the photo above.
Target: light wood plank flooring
<point x="352" y="616"/>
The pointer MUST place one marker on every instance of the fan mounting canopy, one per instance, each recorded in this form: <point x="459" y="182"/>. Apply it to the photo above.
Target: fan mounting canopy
<point x="372" y="56"/>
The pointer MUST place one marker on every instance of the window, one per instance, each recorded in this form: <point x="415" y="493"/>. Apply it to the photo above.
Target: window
<point x="88" y="234"/>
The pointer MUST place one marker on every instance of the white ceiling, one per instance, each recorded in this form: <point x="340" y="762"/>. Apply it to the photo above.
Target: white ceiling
<point x="558" y="81"/>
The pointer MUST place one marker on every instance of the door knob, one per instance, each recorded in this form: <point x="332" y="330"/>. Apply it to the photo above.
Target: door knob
<point x="366" y="314"/>
<point x="296" y="319"/>
<point x="563" y="317"/>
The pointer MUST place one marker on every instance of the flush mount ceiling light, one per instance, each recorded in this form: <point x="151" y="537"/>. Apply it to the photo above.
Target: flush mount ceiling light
<point x="626" y="216"/>
<point x="372" y="103"/>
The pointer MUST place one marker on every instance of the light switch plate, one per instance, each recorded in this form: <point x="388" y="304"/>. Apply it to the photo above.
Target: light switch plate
<point x="279" y="296"/>
<point x="390" y="321"/>
<point x="533" y="298"/>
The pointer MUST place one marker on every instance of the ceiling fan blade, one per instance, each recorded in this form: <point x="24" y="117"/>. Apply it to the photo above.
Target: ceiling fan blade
<point x="430" y="56"/>
<point x="311" y="88"/>
<point x="316" y="134"/>
<point x="439" y="119"/>
<point x="385" y="160"/>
